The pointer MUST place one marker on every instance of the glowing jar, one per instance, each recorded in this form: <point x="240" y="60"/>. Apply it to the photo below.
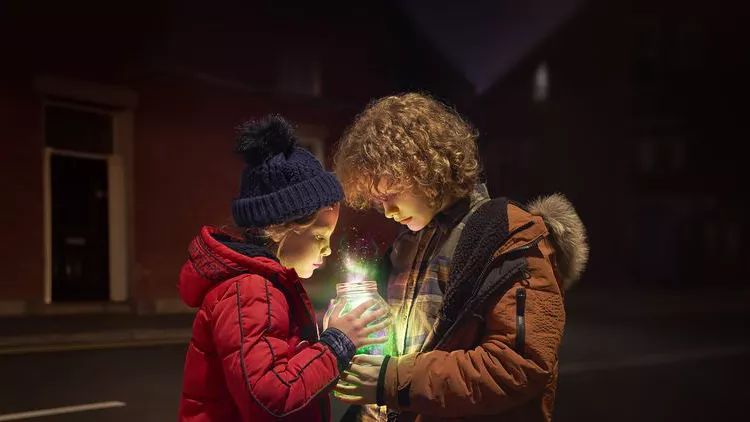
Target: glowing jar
<point x="354" y="293"/>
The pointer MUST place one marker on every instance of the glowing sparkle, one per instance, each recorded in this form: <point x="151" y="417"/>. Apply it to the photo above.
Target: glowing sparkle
<point x="357" y="270"/>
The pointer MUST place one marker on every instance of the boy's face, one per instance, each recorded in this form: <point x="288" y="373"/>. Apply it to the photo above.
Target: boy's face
<point x="405" y="207"/>
<point x="304" y="250"/>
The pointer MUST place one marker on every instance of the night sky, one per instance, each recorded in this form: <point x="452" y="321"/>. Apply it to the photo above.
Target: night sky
<point x="484" y="39"/>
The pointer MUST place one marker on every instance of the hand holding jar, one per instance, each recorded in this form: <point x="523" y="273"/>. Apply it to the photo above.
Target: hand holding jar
<point x="368" y="312"/>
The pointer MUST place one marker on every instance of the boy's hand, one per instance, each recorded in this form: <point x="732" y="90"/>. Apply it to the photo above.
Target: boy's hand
<point x="359" y="383"/>
<point x="355" y="326"/>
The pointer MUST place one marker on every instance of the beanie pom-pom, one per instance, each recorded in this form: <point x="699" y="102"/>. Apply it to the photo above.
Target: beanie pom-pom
<point x="258" y="140"/>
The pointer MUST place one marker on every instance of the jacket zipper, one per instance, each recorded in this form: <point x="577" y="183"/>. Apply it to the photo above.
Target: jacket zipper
<point x="520" y="320"/>
<point x="486" y="269"/>
<point x="310" y="314"/>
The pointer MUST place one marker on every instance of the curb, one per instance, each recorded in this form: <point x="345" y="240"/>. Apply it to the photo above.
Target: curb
<point x="93" y="340"/>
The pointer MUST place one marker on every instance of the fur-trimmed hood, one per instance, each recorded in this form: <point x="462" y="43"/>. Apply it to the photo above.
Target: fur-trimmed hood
<point x="567" y="233"/>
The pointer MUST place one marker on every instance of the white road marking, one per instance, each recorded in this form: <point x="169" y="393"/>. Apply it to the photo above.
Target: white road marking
<point x="60" y="410"/>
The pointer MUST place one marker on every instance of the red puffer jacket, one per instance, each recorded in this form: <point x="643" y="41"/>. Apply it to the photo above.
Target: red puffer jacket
<point x="254" y="354"/>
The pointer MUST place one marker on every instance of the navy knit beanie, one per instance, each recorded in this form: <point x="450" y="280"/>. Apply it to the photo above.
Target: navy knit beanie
<point x="281" y="182"/>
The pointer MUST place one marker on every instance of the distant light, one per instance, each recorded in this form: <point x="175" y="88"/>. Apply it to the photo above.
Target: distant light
<point x="541" y="83"/>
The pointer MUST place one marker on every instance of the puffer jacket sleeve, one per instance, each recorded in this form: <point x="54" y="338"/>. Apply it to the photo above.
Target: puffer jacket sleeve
<point x="250" y="330"/>
<point x="492" y="377"/>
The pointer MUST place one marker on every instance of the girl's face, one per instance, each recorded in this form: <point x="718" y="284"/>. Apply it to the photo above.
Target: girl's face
<point x="305" y="249"/>
<point x="405" y="207"/>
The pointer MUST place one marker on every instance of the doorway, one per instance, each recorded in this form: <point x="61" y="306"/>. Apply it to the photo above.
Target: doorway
<point x="84" y="202"/>
<point x="80" y="228"/>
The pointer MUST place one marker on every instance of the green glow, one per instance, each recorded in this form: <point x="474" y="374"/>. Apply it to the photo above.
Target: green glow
<point x="372" y="349"/>
<point x="357" y="269"/>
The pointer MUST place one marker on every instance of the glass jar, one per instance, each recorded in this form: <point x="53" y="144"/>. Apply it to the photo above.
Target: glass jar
<point x="354" y="293"/>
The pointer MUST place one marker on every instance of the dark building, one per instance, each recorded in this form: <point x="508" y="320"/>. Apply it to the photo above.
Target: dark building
<point x="633" y="109"/>
<point x="118" y="123"/>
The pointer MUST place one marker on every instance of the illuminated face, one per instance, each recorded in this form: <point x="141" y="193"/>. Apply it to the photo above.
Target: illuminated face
<point x="305" y="249"/>
<point x="409" y="208"/>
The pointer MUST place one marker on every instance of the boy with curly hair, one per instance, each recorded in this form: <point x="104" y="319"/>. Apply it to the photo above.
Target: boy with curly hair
<point x="475" y="284"/>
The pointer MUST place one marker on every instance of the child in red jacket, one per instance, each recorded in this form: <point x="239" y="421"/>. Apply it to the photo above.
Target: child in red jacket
<point x="255" y="353"/>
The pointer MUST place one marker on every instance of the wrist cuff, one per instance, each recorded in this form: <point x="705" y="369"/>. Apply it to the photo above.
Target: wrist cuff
<point x="381" y="381"/>
<point x="340" y="345"/>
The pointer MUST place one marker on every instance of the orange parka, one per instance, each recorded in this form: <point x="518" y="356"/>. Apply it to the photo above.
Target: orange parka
<point x="495" y="355"/>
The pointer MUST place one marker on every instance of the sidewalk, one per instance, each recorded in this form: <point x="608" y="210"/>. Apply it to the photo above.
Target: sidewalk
<point x="56" y="333"/>
<point x="95" y="331"/>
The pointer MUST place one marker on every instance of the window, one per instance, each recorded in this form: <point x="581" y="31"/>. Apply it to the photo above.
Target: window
<point x="74" y="129"/>
<point x="541" y="83"/>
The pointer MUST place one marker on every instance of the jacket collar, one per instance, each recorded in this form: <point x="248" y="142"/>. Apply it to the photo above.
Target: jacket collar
<point x="212" y="260"/>
<point x="449" y="217"/>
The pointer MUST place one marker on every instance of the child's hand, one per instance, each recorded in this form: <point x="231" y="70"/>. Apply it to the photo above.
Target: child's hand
<point x="359" y="383"/>
<point x="354" y="325"/>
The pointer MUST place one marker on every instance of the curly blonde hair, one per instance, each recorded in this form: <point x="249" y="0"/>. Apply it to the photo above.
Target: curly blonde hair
<point x="412" y="142"/>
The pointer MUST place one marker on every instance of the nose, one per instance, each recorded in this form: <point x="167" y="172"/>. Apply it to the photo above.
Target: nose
<point x="326" y="251"/>
<point x="389" y="209"/>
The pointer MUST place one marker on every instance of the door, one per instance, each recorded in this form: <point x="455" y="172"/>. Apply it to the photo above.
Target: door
<point x="80" y="228"/>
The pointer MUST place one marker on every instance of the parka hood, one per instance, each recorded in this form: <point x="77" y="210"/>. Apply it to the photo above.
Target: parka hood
<point x="215" y="256"/>
<point x="567" y="233"/>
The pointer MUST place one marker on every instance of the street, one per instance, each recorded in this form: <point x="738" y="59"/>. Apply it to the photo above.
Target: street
<point x="669" y="366"/>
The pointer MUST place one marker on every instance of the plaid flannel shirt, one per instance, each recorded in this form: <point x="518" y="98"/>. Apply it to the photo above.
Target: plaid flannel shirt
<point x="421" y="264"/>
